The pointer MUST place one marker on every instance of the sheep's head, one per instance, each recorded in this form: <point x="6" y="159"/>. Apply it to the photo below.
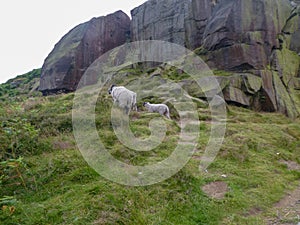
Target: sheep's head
<point x="111" y="88"/>
<point x="145" y="103"/>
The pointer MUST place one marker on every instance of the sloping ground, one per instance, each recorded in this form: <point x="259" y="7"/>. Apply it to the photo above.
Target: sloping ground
<point x="52" y="183"/>
<point x="26" y="84"/>
<point x="287" y="210"/>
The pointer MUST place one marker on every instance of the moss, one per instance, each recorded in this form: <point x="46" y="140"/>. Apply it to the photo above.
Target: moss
<point x="288" y="63"/>
<point x="253" y="83"/>
<point x="201" y="51"/>
<point x="237" y="96"/>
<point x="295" y="95"/>
<point x="284" y="101"/>
<point x="256" y="36"/>
<point x="222" y="73"/>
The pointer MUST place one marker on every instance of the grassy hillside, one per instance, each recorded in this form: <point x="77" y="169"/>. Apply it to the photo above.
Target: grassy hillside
<point x="21" y="85"/>
<point x="45" y="180"/>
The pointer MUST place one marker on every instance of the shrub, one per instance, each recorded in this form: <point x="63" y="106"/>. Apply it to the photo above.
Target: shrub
<point x="18" y="137"/>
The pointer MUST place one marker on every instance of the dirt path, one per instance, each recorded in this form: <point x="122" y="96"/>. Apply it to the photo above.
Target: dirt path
<point x="287" y="210"/>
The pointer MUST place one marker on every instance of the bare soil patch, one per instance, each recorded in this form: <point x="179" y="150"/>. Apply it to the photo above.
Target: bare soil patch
<point x="216" y="190"/>
<point x="291" y="165"/>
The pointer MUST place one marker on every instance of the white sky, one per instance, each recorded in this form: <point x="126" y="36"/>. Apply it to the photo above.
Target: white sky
<point x="31" y="28"/>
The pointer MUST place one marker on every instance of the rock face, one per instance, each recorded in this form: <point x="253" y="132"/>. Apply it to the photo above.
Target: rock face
<point x="74" y="53"/>
<point x="160" y="20"/>
<point x="233" y="31"/>
<point x="257" y="41"/>
<point x="241" y="29"/>
<point x="177" y="21"/>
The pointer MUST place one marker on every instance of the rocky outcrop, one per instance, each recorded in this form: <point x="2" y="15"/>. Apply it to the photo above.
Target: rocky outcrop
<point x="75" y="52"/>
<point x="178" y="21"/>
<point x="258" y="41"/>
<point x="233" y="31"/>
<point x="238" y="30"/>
<point x="291" y="30"/>
<point x="238" y="34"/>
<point x="160" y="20"/>
<point x="265" y="92"/>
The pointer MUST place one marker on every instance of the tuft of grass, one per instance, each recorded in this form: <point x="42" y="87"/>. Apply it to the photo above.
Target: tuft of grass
<point x="222" y="73"/>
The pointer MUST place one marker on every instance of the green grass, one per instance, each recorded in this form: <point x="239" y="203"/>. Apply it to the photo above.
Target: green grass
<point x="61" y="188"/>
<point x="222" y="73"/>
<point x="20" y="86"/>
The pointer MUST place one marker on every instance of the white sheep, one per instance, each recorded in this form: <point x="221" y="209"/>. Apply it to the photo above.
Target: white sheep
<point x="162" y="109"/>
<point x="123" y="97"/>
<point x="293" y="4"/>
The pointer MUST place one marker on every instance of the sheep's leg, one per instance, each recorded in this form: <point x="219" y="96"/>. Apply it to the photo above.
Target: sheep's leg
<point x="134" y="107"/>
<point x="167" y="114"/>
<point x="126" y="109"/>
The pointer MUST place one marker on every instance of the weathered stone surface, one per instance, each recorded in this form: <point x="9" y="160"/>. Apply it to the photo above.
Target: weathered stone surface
<point x="75" y="52"/>
<point x="265" y="92"/>
<point x="297" y="83"/>
<point x="287" y="63"/>
<point x="160" y="20"/>
<point x="178" y="21"/>
<point x="195" y="23"/>
<point x="268" y="100"/>
<point x="241" y="34"/>
<point x="192" y="87"/>
<point x="291" y="30"/>
<point x="285" y="102"/>
<point x="252" y="83"/>
<point x="268" y="91"/>
<point x="232" y="31"/>
<point x="236" y="95"/>
<point x="241" y="88"/>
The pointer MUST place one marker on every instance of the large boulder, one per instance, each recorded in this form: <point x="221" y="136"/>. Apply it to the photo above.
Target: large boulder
<point x="75" y="52"/>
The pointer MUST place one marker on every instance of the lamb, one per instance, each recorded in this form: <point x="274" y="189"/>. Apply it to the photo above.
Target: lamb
<point x="162" y="109"/>
<point x="125" y="98"/>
